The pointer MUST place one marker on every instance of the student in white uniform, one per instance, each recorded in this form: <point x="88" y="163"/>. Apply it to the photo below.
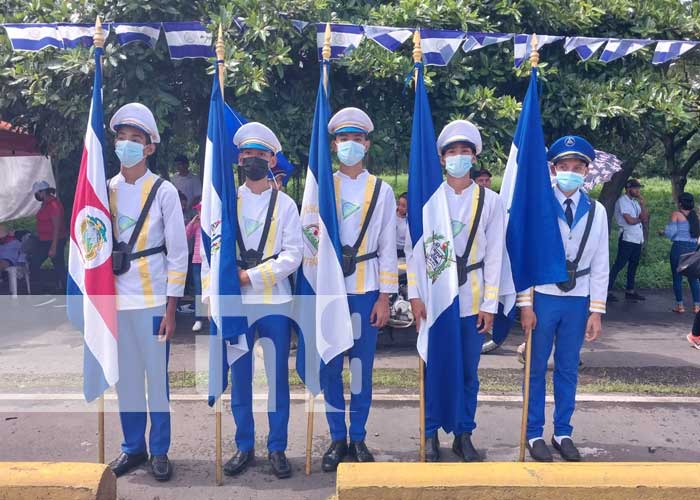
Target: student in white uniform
<point x="269" y="250"/>
<point x="478" y="233"/>
<point x="371" y="275"/>
<point x="562" y="315"/>
<point x="152" y="251"/>
<point x="401" y="223"/>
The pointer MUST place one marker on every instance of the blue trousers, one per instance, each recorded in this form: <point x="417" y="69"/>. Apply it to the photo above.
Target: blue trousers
<point x="274" y="334"/>
<point x="561" y="323"/>
<point x="677" y="249"/>
<point x="472" y="341"/>
<point x="140" y="354"/>
<point x="361" y="362"/>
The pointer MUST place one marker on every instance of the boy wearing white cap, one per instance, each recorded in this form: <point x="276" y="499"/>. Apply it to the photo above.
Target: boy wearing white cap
<point x="269" y="250"/>
<point x="366" y="209"/>
<point x="150" y="264"/>
<point x="477" y="216"/>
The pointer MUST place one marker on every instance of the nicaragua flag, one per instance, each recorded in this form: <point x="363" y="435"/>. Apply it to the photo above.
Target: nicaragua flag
<point x="534" y="252"/>
<point x="616" y="48"/>
<point x="439" y="46"/>
<point x="522" y="46"/>
<point x="320" y="285"/>
<point x="344" y="39"/>
<point x="476" y="41"/>
<point x="91" y="296"/>
<point x="389" y="38"/>
<point x="670" y="50"/>
<point x="219" y="221"/>
<point x="147" y="33"/>
<point x="79" y="35"/>
<point x="584" y="46"/>
<point x="33" y="37"/>
<point x="188" y="40"/>
<point x="433" y="253"/>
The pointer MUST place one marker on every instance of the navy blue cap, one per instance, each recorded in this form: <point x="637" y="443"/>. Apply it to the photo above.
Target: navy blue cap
<point x="571" y="146"/>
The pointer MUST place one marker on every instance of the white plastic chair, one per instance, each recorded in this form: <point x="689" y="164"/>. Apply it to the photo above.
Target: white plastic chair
<point x="15" y="273"/>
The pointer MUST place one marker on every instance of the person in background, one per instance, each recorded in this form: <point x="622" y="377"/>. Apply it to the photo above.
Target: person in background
<point x="10" y="249"/>
<point x="185" y="181"/>
<point x="482" y="177"/>
<point x="630" y="214"/>
<point x="401" y="223"/>
<point x="52" y="234"/>
<point x="194" y="234"/>
<point x="684" y="230"/>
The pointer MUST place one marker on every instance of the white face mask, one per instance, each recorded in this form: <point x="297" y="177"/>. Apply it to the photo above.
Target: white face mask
<point x="458" y="165"/>
<point x="350" y="153"/>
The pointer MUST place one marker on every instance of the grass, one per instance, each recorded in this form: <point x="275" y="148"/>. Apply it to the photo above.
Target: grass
<point x="680" y="381"/>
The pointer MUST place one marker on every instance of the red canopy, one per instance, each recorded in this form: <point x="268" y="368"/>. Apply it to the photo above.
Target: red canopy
<point x="17" y="142"/>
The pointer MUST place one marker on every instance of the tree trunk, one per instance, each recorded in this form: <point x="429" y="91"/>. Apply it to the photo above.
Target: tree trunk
<point x="612" y="189"/>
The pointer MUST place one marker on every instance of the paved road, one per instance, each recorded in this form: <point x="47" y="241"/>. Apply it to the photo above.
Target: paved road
<point x="661" y="432"/>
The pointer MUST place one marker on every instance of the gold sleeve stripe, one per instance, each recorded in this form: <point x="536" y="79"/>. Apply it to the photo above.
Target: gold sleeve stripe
<point x="176" y="273"/>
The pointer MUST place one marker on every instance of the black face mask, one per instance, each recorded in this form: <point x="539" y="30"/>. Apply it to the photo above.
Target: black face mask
<point x="254" y="168"/>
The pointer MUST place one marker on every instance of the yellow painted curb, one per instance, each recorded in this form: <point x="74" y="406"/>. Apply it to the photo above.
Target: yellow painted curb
<point x="519" y="481"/>
<point x="56" y="481"/>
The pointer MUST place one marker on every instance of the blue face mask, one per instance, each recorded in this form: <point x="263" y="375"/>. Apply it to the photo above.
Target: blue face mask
<point x="458" y="165"/>
<point x="350" y="153"/>
<point x="130" y="153"/>
<point x="569" y="181"/>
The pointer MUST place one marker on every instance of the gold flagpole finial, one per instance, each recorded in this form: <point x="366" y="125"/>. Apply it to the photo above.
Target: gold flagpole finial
<point x="534" y="53"/>
<point x="220" y="55"/>
<point x="326" y="53"/>
<point x="99" y="37"/>
<point x="417" y="50"/>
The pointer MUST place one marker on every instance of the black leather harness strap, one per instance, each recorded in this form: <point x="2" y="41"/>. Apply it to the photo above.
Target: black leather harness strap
<point x="463" y="269"/>
<point x="252" y="258"/>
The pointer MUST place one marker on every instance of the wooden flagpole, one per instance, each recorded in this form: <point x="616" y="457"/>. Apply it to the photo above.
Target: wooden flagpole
<point x="417" y="57"/>
<point x="220" y="54"/>
<point x="534" y="61"/>
<point x="99" y="42"/>
<point x="311" y="401"/>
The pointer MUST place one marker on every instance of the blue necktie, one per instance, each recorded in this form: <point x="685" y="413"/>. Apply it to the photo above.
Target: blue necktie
<point x="569" y="213"/>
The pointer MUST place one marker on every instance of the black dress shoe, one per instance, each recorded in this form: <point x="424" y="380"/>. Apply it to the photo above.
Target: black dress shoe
<point x="464" y="449"/>
<point x="634" y="296"/>
<point x="125" y="462"/>
<point x="161" y="468"/>
<point x="567" y="449"/>
<point x="359" y="451"/>
<point x="335" y="454"/>
<point x="539" y="451"/>
<point x="280" y="465"/>
<point x="432" y="449"/>
<point x="239" y="462"/>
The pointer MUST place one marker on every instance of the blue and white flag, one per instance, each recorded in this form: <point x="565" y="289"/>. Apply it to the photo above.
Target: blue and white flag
<point x="188" y="40"/>
<point x="79" y="35"/>
<point x="147" y="33"/>
<point x="440" y="45"/>
<point x="534" y="252"/>
<point x="389" y="38"/>
<point x="320" y="281"/>
<point x="522" y="45"/>
<point x="476" y="41"/>
<point x="670" y="50"/>
<point x="584" y="46"/>
<point x="33" y="37"/>
<point x="219" y="221"/>
<point x="435" y="269"/>
<point x="616" y="48"/>
<point x="344" y="39"/>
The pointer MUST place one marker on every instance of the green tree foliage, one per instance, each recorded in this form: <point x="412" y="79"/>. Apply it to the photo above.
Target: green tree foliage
<point x="647" y="115"/>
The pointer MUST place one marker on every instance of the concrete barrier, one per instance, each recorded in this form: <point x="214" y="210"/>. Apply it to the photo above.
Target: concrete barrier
<point x="519" y="481"/>
<point x="56" y="481"/>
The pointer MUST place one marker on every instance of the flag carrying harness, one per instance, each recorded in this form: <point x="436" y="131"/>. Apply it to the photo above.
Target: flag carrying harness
<point x="350" y="257"/>
<point x="572" y="266"/>
<point x="122" y="254"/>
<point x="250" y="258"/>
<point x="463" y="269"/>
